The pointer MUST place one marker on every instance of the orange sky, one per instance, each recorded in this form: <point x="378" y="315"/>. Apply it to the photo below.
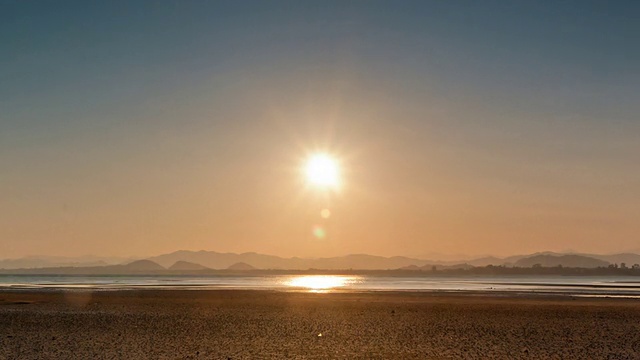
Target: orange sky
<point x="495" y="132"/>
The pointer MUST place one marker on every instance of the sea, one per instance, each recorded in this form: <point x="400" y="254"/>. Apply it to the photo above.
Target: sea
<point x="581" y="286"/>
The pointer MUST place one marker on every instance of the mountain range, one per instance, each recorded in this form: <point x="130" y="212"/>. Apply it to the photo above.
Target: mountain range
<point x="28" y="262"/>
<point x="575" y="261"/>
<point x="185" y="260"/>
<point x="215" y="260"/>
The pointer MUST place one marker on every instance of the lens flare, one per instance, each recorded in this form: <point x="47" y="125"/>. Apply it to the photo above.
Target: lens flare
<point x="319" y="232"/>
<point x="325" y="213"/>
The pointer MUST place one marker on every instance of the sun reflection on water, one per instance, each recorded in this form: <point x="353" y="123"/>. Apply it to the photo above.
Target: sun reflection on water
<point x="320" y="283"/>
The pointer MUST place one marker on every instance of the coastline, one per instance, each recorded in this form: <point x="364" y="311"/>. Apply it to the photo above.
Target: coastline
<point x="239" y="324"/>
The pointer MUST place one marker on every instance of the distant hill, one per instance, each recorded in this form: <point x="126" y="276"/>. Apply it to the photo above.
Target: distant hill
<point x="139" y="267"/>
<point x="187" y="266"/>
<point x="241" y="266"/>
<point x="561" y="260"/>
<point x="216" y="260"/>
<point x="496" y="261"/>
<point x="430" y="267"/>
<point x="142" y="265"/>
<point x="487" y="260"/>
<point x="30" y="262"/>
<point x="628" y="258"/>
<point x="412" y="267"/>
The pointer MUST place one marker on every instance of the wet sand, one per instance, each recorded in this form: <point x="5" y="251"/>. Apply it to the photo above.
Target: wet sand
<point x="148" y="324"/>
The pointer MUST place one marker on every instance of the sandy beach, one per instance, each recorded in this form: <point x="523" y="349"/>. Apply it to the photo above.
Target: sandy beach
<point x="148" y="324"/>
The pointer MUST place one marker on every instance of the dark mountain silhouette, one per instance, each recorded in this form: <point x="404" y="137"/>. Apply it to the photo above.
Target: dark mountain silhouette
<point x="578" y="261"/>
<point x="142" y="265"/>
<point x="241" y="266"/>
<point x="187" y="266"/>
<point x="193" y="261"/>
<point x="215" y="260"/>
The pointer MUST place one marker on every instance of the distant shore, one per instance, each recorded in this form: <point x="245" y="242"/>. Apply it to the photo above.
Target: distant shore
<point x="472" y="271"/>
<point x="240" y="324"/>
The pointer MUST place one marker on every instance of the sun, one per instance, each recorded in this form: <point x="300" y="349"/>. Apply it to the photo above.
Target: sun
<point x="322" y="170"/>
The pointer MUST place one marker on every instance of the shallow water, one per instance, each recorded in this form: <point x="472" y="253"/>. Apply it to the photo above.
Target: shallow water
<point x="569" y="285"/>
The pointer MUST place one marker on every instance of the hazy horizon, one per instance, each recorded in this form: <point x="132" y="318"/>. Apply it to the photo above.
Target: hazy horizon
<point x="438" y="257"/>
<point x="461" y="127"/>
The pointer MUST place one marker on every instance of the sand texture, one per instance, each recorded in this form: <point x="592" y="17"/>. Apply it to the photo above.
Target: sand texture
<point x="151" y="324"/>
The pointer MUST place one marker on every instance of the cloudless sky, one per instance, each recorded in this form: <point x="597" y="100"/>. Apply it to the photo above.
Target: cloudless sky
<point x="462" y="127"/>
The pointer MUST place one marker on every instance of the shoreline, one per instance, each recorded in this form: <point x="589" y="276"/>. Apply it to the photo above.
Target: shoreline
<point x="516" y="294"/>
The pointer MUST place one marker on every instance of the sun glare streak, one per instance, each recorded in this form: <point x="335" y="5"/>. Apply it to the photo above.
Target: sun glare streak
<point x="320" y="283"/>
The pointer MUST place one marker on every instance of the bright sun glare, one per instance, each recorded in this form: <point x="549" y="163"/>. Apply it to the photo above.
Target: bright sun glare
<point x="320" y="282"/>
<point x="322" y="170"/>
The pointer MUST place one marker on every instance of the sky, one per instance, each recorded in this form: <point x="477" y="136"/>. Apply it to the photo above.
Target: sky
<point x="135" y="128"/>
